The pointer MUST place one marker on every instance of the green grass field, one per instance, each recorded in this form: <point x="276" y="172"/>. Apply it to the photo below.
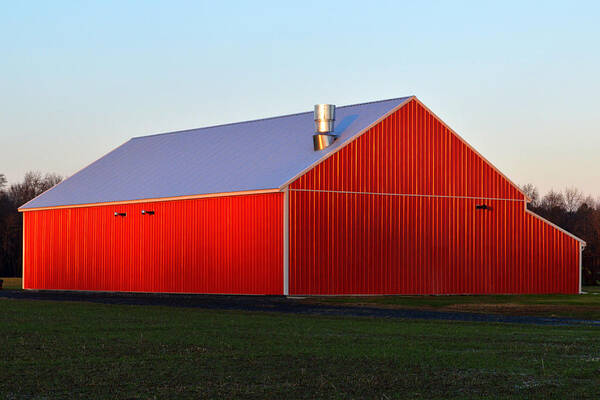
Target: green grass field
<point x="84" y="350"/>
<point x="584" y="306"/>
<point x="12" y="283"/>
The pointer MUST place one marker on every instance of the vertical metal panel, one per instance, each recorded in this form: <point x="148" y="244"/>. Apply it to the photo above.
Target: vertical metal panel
<point x="346" y="239"/>
<point x="348" y="243"/>
<point x="213" y="245"/>
<point x="409" y="152"/>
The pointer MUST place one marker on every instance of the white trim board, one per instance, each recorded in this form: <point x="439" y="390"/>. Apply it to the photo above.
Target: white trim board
<point x="158" y="199"/>
<point x="286" y="242"/>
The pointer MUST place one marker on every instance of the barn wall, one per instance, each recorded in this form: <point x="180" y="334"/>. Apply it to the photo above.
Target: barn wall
<point x="409" y="152"/>
<point x="394" y="212"/>
<point x="342" y="243"/>
<point x="213" y="245"/>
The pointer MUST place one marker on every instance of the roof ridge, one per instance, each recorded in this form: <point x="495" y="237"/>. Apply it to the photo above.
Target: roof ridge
<point x="262" y="119"/>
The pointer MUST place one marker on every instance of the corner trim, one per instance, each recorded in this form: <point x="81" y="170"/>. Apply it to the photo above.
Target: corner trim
<point x="23" y="257"/>
<point x="581" y="268"/>
<point x="286" y="242"/>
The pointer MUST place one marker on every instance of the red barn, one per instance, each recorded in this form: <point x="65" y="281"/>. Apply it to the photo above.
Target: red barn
<point x="385" y="200"/>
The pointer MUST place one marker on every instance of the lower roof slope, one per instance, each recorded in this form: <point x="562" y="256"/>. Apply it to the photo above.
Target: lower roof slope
<point x="245" y="156"/>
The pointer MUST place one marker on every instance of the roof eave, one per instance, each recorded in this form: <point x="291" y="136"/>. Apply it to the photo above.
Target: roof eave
<point x="155" y="199"/>
<point x="580" y="240"/>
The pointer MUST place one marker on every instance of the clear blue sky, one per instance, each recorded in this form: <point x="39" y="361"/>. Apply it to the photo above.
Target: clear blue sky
<point x="518" y="80"/>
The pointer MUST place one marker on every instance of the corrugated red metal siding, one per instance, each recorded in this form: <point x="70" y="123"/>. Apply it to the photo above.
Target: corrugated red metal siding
<point x="410" y="238"/>
<point x="344" y="243"/>
<point x="213" y="245"/>
<point x="409" y="152"/>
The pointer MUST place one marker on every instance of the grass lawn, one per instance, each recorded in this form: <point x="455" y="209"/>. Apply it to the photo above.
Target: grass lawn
<point x="84" y="350"/>
<point x="12" y="283"/>
<point x="585" y="306"/>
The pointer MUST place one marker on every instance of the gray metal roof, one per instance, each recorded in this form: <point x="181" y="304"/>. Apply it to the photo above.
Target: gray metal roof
<point x="244" y="156"/>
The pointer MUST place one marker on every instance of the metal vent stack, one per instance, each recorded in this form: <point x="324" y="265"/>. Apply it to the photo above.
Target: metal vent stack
<point x="324" y="126"/>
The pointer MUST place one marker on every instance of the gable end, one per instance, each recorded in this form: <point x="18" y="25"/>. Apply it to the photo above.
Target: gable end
<point x="410" y="152"/>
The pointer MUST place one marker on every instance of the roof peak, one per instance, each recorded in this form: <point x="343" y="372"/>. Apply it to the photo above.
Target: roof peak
<point x="264" y="119"/>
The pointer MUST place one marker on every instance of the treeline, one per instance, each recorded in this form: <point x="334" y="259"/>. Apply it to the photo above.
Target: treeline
<point x="576" y="213"/>
<point x="569" y="209"/>
<point x="11" y="222"/>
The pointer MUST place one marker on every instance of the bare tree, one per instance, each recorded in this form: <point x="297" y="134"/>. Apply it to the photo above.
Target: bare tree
<point x="531" y="191"/>
<point x="573" y="199"/>
<point x="34" y="184"/>
<point x="553" y="200"/>
<point x="590" y="202"/>
<point x="11" y="222"/>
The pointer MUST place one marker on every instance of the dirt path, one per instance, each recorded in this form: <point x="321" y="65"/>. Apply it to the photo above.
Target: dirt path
<point x="280" y="304"/>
